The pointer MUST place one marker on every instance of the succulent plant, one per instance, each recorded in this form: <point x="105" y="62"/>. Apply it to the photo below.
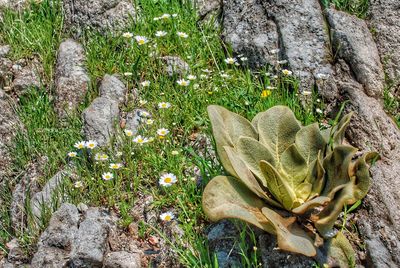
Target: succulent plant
<point x="290" y="180"/>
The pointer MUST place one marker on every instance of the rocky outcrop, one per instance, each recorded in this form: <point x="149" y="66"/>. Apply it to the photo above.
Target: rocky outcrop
<point x="26" y="76"/>
<point x="99" y="14"/>
<point x="384" y="23"/>
<point x="250" y="31"/>
<point x="356" y="46"/>
<point x="13" y="4"/>
<point x="175" y="65"/>
<point x="71" y="79"/>
<point x="101" y="117"/>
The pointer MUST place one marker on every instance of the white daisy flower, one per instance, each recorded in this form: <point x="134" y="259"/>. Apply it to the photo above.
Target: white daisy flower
<point x="128" y="74"/>
<point x="318" y="110"/>
<point x="164" y="105"/>
<point x="128" y="132"/>
<point x="149" y="121"/>
<point x="182" y="34"/>
<point x="90" y="144"/>
<point x="167" y="216"/>
<point x="162" y="132"/>
<point x="156" y="18"/>
<point x="286" y="72"/>
<point x="225" y="75"/>
<point x="244" y="59"/>
<point x="101" y="157"/>
<point x="80" y="145"/>
<point x="140" y="140"/>
<point x="165" y="16"/>
<point x="144" y="114"/>
<point x="174" y="15"/>
<point x="142" y="102"/>
<point x="145" y="83"/>
<point x="191" y="77"/>
<point x="183" y="82"/>
<point x="78" y="184"/>
<point x="230" y="60"/>
<point x="167" y="179"/>
<point x="115" y="165"/>
<point x="141" y="40"/>
<point x="160" y="33"/>
<point x="72" y="154"/>
<point x="118" y="154"/>
<point x="306" y="93"/>
<point x="127" y="35"/>
<point x="107" y="176"/>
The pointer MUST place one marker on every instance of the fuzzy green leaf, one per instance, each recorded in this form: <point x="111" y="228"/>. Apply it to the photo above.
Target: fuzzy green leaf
<point x="310" y="142"/>
<point x="227" y="128"/>
<point x="289" y="235"/>
<point x="226" y="197"/>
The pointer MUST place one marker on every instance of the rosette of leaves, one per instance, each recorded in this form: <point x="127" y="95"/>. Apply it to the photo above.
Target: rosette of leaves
<point x="290" y="180"/>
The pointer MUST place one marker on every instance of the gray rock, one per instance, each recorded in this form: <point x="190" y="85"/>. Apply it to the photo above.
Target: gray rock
<point x="44" y="198"/>
<point x="111" y="87"/>
<point x="304" y="40"/>
<point x="71" y="79"/>
<point x="4" y="50"/>
<point x="55" y="243"/>
<point x="16" y="254"/>
<point x="99" y="120"/>
<point x="13" y="4"/>
<point x="132" y="120"/>
<point x="100" y="14"/>
<point x="122" y="259"/>
<point x="275" y="258"/>
<point x="385" y="24"/>
<point x="91" y="239"/>
<point x="206" y="7"/>
<point x="175" y="65"/>
<point x="221" y="237"/>
<point x="250" y="32"/>
<point x="353" y="42"/>
<point x="372" y="129"/>
<point x="27" y="77"/>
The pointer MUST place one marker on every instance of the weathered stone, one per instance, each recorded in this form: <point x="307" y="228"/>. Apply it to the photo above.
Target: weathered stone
<point x="44" y="198"/>
<point x="275" y="258"/>
<point x="13" y="4"/>
<point x="385" y="24"/>
<point x="99" y="120"/>
<point x="4" y="50"/>
<point x="16" y="254"/>
<point x="221" y="238"/>
<point x="175" y="65"/>
<point x="71" y="79"/>
<point x="99" y="14"/>
<point x="122" y="259"/>
<point x="304" y="40"/>
<point x="9" y="125"/>
<point x="250" y="32"/>
<point x="55" y="243"/>
<point x="111" y="87"/>
<point x="91" y="239"/>
<point x="353" y="42"/>
<point x="205" y="7"/>
<point x="27" y="77"/>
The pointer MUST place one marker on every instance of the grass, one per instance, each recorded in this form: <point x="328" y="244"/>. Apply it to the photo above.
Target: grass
<point x="37" y="32"/>
<point x="355" y="7"/>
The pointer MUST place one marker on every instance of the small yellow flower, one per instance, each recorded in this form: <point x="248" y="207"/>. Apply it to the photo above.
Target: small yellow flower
<point x="167" y="179"/>
<point x="164" y="105"/>
<point x="107" y="176"/>
<point x="91" y="144"/>
<point x="128" y="133"/>
<point x="162" y="132"/>
<point x="183" y="82"/>
<point x="167" y="216"/>
<point x="286" y="72"/>
<point x="265" y="93"/>
<point x="79" y="145"/>
<point x="141" y="40"/>
<point x="72" y="154"/>
<point x="140" y="140"/>
<point x="230" y="60"/>
<point x="115" y="166"/>
<point x="78" y="184"/>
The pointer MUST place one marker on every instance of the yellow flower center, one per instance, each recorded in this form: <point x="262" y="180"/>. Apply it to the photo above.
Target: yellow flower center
<point x="141" y="42"/>
<point x="167" y="218"/>
<point x="168" y="180"/>
<point x="140" y="140"/>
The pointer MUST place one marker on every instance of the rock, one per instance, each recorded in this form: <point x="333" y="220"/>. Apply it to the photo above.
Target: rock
<point x="372" y="129"/>
<point x="353" y="42"/>
<point x="99" y="120"/>
<point x="175" y="65"/>
<point x="9" y="125"/>
<point x="71" y="79"/>
<point x="207" y="7"/>
<point x="27" y="77"/>
<point x="111" y="87"/>
<point x="16" y="253"/>
<point x="273" y="257"/>
<point x="250" y="32"/>
<point x="122" y="259"/>
<point x="4" y="50"/>
<point x="13" y="4"/>
<point x="44" y="198"/>
<point x="91" y="239"/>
<point x="221" y="237"/>
<point x="82" y="207"/>
<point x="55" y="242"/>
<point x="384" y="23"/>
<point x="100" y="14"/>
<point x="304" y="41"/>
